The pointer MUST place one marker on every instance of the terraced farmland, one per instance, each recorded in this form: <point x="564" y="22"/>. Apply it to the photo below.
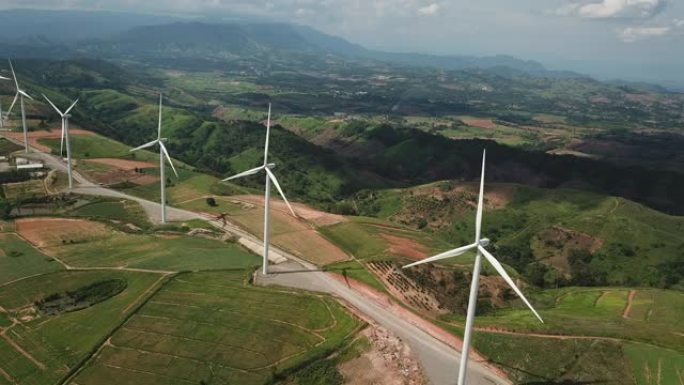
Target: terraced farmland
<point x="211" y="328"/>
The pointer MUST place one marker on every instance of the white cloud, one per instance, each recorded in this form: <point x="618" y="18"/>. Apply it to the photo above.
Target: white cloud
<point x="429" y="10"/>
<point x="632" y="34"/>
<point x="603" y="9"/>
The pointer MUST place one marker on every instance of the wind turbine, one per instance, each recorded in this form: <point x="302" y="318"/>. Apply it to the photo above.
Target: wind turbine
<point x="20" y="94"/>
<point x="270" y="177"/>
<point x="65" y="133"/>
<point x="162" y="153"/>
<point x="479" y="245"/>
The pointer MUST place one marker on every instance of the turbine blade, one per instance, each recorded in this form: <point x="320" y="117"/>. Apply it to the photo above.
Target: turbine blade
<point x="150" y="144"/>
<point x="280" y="190"/>
<point x="160" y="118"/>
<point x="480" y="201"/>
<point x="500" y="269"/>
<point x="70" y="107"/>
<point x="61" y="144"/>
<point x="166" y="153"/>
<point x="245" y="173"/>
<point x="25" y="94"/>
<point x="268" y="134"/>
<point x="444" y="255"/>
<point x="55" y="107"/>
<point x="14" y="101"/>
<point x="4" y="78"/>
<point x="14" y="75"/>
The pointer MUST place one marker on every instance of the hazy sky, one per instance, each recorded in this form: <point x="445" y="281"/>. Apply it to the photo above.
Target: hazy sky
<point x="640" y="39"/>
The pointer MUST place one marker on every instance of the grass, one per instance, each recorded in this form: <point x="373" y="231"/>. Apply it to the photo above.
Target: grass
<point x="97" y="146"/>
<point x="61" y="342"/>
<point x="18" y="259"/>
<point x="653" y="366"/>
<point x="211" y="327"/>
<point x="172" y="252"/>
<point x="117" y="210"/>
<point x="7" y="147"/>
<point x="33" y="188"/>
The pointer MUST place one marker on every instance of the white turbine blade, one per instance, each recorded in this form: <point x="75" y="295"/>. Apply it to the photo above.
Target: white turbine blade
<point x="480" y="201"/>
<point x="14" y="75"/>
<point x="268" y="134"/>
<point x="280" y="190"/>
<point x="70" y="107"/>
<point x="444" y="255"/>
<point x="166" y="153"/>
<point x="160" y="118"/>
<point x="150" y="144"/>
<point x="61" y="143"/>
<point x="14" y="101"/>
<point x="500" y="269"/>
<point x="55" y="107"/>
<point x="25" y="94"/>
<point x="246" y="173"/>
<point x="4" y="78"/>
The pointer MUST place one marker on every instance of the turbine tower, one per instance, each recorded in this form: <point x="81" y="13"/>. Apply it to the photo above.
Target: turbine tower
<point x="479" y="245"/>
<point x="2" y="118"/>
<point x="20" y="94"/>
<point x="270" y="177"/>
<point x="162" y="154"/>
<point x="65" y="134"/>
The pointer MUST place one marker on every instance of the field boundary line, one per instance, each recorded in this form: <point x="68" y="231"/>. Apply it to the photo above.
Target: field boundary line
<point x="7" y="376"/>
<point x="73" y="372"/>
<point x="23" y="352"/>
<point x="628" y="307"/>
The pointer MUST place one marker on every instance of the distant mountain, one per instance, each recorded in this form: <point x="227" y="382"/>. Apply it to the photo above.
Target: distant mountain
<point x="19" y="26"/>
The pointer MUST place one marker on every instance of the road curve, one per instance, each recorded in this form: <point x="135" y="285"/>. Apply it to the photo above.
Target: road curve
<point x="439" y="360"/>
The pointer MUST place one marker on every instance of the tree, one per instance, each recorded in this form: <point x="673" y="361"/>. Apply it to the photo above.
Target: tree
<point x="211" y="202"/>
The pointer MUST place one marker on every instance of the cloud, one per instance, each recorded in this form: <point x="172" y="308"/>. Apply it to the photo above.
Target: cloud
<point x="632" y="34"/>
<point x="604" y="9"/>
<point x="429" y="10"/>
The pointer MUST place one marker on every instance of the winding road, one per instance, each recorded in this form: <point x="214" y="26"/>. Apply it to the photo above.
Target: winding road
<point x="439" y="360"/>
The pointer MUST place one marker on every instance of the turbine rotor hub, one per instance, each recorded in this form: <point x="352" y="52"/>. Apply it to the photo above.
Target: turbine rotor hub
<point x="271" y="165"/>
<point x="484" y="242"/>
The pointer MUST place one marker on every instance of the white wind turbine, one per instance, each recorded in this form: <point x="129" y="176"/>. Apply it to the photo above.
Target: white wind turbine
<point x="162" y="153"/>
<point x="65" y="134"/>
<point x="479" y="245"/>
<point x="20" y="94"/>
<point x="270" y="177"/>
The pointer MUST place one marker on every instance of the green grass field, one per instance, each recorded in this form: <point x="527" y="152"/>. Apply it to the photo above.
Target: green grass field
<point x="18" y="259"/>
<point x="161" y="252"/>
<point x="118" y="210"/>
<point x="97" y="146"/>
<point x="52" y="345"/>
<point x="211" y="328"/>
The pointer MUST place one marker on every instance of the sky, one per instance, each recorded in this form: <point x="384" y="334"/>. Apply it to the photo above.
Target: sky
<point x="629" y="39"/>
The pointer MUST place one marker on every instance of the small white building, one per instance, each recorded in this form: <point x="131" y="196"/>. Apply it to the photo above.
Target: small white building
<point x="30" y="166"/>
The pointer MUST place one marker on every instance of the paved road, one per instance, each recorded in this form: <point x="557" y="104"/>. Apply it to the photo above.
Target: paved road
<point x="439" y="360"/>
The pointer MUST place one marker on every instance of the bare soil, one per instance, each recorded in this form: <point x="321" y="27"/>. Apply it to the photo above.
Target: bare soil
<point x="481" y="123"/>
<point x="405" y="247"/>
<point x="388" y="362"/>
<point x="45" y="232"/>
<point x="123" y="164"/>
<point x="316" y="217"/>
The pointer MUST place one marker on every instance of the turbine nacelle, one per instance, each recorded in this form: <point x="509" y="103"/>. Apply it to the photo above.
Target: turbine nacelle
<point x="484" y="242"/>
<point x="271" y="166"/>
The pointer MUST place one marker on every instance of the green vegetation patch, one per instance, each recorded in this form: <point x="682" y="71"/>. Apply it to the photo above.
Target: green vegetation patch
<point x="81" y="298"/>
<point x="117" y="210"/>
<point x="211" y="328"/>
<point x="18" y="259"/>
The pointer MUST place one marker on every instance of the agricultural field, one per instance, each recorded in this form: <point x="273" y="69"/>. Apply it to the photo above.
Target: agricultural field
<point x="94" y="146"/>
<point x="40" y="349"/>
<point x="34" y="188"/>
<point x="18" y="259"/>
<point x="203" y="328"/>
<point x="124" y="211"/>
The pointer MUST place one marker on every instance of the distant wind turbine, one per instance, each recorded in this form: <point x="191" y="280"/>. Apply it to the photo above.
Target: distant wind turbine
<point x="162" y="154"/>
<point x="20" y="94"/>
<point x="270" y="177"/>
<point x="65" y="134"/>
<point x="479" y="245"/>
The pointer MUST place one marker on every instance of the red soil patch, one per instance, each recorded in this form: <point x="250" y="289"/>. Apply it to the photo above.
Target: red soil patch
<point x="123" y="164"/>
<point x="405" y="247"/>
<point x="45" y="232"/>
<point x="481" y="123"/>
<point x="317" y="217"/>
<point x="34" y="136"/>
